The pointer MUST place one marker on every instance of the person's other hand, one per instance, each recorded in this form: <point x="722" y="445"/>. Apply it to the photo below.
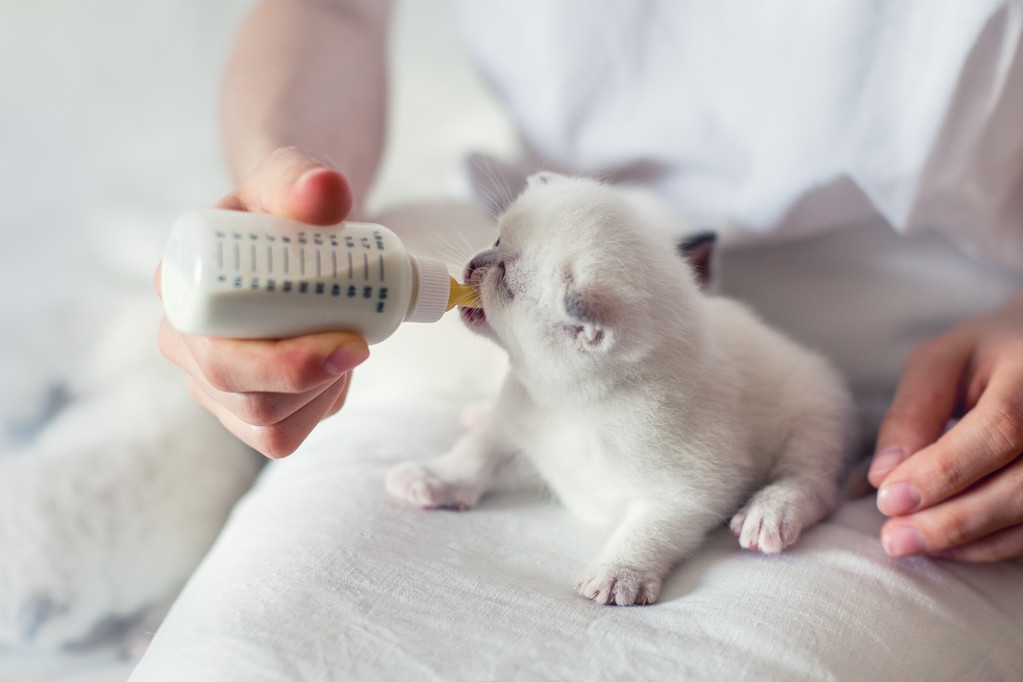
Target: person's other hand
<point x="271" y="393"/>
<point x="957" y="494"/>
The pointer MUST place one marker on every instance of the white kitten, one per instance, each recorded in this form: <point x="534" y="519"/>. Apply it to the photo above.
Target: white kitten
<point x="646" y="404"/>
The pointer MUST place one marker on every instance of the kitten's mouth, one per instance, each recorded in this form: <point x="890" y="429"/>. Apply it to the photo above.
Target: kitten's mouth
<point x="472" y="316"/>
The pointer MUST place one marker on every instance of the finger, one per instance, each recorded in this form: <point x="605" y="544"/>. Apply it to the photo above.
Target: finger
<point x="270" y="374"/>
<point x="172" y="346"/>
<point x="297" y="185"/>
<point x="923" y="403"/>
<point x="986" y="439"/>
<point x="283" y="438"/>
<point x="340" y="401"/>
<point x="295" y="365"/>
<point x="1005" y="544"/>
<point x="991" y="506"/>
<point x="265" y="409"/>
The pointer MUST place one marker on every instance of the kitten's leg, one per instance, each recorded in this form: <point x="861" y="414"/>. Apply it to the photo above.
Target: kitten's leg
<point x="456" y="480"/>
<point x="804" y="489"/>
<point x="804" y="482"/>
<point x="641" y="552"/>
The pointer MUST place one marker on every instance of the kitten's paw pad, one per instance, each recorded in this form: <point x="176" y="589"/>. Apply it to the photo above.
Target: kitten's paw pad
<point x="620" y="586"/>
<point x="420" y="485"/>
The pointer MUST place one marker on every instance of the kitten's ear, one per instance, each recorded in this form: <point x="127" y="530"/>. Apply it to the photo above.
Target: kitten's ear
<point x="699" y="250"/>
<point x="587" y="314"/>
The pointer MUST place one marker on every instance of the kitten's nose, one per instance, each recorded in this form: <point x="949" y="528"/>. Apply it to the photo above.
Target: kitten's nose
<point x="480" y="260"/>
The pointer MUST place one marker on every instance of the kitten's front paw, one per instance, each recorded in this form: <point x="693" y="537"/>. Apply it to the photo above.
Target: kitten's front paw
<point x="619" y="585"/>
<point x="774" y="518"/>
<point x="422" y="486"/>
<point x="765" y="530"/>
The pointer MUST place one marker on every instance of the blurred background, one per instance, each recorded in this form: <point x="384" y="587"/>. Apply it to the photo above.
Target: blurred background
<point x="108" y="130"/>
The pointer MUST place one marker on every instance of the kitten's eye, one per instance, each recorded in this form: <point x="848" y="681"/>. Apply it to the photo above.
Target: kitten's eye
<point x="497" y="243"/>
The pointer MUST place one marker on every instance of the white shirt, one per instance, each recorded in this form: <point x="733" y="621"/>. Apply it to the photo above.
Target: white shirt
<point x="787" y="116"/>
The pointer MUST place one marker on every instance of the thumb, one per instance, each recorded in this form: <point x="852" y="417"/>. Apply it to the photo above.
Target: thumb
<point x="924" y="401"/>
<point x="294" y="184"/>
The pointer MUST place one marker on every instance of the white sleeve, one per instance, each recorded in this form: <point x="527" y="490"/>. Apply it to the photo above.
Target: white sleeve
<point x="938" y="140"/>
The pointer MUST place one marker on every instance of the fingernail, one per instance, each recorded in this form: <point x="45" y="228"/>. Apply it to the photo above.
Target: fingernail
<point x="345" y="358"/>
<point x="308" y="174"/>
<point x="885" y="460"/>
<point x="279" y="207"/>
<point x="902" y="541"/>
<point x="897" y="498"/>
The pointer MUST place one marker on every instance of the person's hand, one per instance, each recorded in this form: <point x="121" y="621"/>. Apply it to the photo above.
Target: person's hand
<point x="271" y="393"/>
<point x="957" y="494"/>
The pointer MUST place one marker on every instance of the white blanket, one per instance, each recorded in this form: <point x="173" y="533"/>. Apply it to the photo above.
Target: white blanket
<point x="320" y="576"/>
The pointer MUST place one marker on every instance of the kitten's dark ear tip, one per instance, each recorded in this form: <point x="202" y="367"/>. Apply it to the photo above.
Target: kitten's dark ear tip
<point x="698" y="241"/>
<point x="698" y="250"/>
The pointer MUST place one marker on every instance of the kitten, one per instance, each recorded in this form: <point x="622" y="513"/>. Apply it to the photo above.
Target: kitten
<point x="647" y="405"/>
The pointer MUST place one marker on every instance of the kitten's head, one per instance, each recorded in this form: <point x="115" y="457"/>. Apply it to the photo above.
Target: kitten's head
<point x="582" y="280"/>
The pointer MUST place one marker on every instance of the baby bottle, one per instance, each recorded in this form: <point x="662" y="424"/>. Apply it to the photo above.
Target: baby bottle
<point x="252" y="275"/>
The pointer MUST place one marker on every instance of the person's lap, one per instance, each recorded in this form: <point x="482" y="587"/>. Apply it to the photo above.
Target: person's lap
<point x="319" y="575"/>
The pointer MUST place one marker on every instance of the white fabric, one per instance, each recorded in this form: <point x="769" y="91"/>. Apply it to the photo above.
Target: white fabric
<point x="750" y="109"/>
<point x="320" y="576"/>
<point x="865" y="295"/>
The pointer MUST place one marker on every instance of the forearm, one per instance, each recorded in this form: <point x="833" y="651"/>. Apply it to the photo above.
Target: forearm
<point x="310" y="74"/>
<point x="1014" y="306"/>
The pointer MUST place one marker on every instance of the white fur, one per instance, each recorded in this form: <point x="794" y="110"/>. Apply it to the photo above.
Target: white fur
<point x="110" y="505"/>
<point x="647" y="405"/>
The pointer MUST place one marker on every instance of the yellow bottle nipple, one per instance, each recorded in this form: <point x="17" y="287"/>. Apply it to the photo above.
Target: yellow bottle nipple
<point x="463" y="295"/>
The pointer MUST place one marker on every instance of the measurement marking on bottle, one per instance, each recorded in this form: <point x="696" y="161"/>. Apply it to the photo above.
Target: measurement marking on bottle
<point x="237" y="258"/>
<point x="252" y="256"/>
<point x="220" y="256"/>
<point x="351" y="272"/>
<point x="287" y="261"/>
<point x="365" y="267"/>
<point x="333" y="258"/>
<point x="301" y="261"/>
<point x="270" y="259"/>
<point x="318" y="272"/>
<point x="381" y="267"/>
